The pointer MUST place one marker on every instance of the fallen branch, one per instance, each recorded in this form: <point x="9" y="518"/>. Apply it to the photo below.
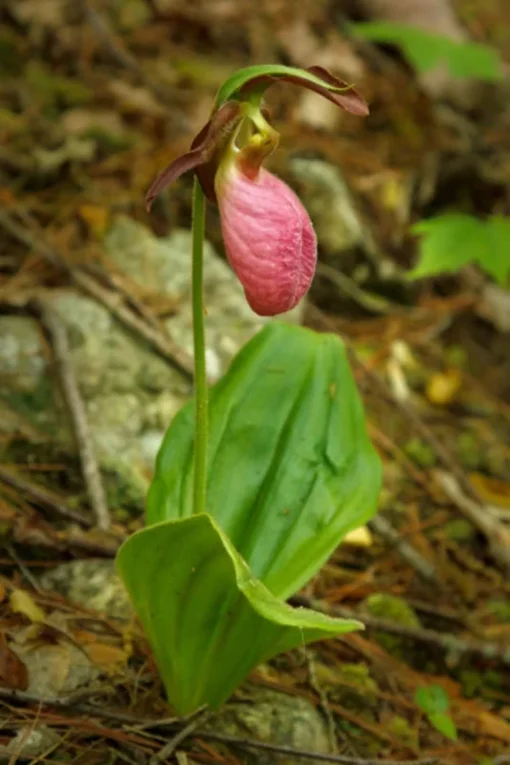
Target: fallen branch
<point x="42" y="497"/>
<point x="497" y="533"/>
<point x="381" y="526"/>
<point x="168" y="750"/>
<point x="77" y="412"/>
<point x="247" y="743"/>
<point x="447" y="642"/>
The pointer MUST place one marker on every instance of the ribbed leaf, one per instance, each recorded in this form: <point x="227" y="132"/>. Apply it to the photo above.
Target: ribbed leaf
<point x="291" y="468"/>
<point x="208" y="620"/>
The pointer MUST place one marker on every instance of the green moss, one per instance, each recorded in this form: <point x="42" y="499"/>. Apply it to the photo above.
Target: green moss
<point x="456" y="356"/>
<point x="460" y="530"/>
<point x="469" y="451"/>
<point x="354" y="688"/>
<point x="420" y="452"/>
<point x="126" y="489"/>
<point x="53" y="90"/>
<point x="396" y="610"/>
<point x="30" y="403"/>
<point x="11" y="60"/>
<point x="392" y="608"/>
<point x="500" y="609"/>
<point x="476" y="683"/>
<point x="495" y="460"/>
<point x="400" y="729"/>
<point x="108" y="141"/>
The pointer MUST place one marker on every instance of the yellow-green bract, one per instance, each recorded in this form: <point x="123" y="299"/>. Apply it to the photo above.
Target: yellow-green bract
<point x="291" y="470"/>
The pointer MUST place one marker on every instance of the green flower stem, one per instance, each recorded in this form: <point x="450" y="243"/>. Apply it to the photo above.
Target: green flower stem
<point x="201" y="391"/>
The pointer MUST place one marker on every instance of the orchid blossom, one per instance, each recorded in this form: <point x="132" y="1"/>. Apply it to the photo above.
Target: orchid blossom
<point x="269" y="238"/>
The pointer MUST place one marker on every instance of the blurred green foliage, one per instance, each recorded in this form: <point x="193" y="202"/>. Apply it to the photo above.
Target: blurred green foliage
<point x="425" y="50"/>
<point x="449" y="242"/>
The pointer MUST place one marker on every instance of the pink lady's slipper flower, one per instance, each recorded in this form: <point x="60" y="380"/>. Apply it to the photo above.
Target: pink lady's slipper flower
<point x="269" y="238"/>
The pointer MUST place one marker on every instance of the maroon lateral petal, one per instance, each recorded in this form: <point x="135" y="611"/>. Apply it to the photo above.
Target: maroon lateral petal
<point x="202" y="149"/>
<point x="175" y="169"/>
<point x="349" y="99"/>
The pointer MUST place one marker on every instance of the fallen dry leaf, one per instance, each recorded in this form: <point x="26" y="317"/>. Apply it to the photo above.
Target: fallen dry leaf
<point x="55" y="669"/>
<point x="13" y="672"/>
<point x="96" y="217"/>
<point x="359" y="537"/>
<point x="106" y="657"/>
<point x="23" y="603"/>
<point x="491" y="490"/>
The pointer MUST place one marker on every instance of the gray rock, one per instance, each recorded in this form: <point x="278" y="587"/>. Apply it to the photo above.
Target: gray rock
<point x="329" y="201"/>
<point x="275" y="718"/>
<point x="164" y="266"/>
<point x="91" y="583"/>
<point x="20" y="353"/>
<point x="131" y="394"/>
<point x="26" y="390"/>
<point x="56" y="670"/>
<point x="30" y="742"/>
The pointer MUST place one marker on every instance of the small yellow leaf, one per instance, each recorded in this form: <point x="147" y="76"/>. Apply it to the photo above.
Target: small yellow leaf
<point x="493" y="491"/>
<point x="359" y="537"/>
<point x="442" y="387"/>
<point x="23" y="603"/>
<point x="96" y="218"/>
<point x="106" y="656"/>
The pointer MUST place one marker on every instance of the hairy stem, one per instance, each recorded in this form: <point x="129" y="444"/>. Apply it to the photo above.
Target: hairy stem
<point x="201" y="392"/>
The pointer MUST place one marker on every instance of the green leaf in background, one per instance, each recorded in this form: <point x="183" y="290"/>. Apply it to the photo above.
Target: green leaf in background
<point x="424" y="50"/>
<point x="434" y="702"/>
<point x="291" y="467"/>
<point x="208" y="620"/>
<point x="451" y="241"/>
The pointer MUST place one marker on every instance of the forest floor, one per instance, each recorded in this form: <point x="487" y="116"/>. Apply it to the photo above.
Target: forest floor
<point x="96" y="98"/>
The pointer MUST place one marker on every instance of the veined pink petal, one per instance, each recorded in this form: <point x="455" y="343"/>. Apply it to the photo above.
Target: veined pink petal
<point x="269" y="239"/>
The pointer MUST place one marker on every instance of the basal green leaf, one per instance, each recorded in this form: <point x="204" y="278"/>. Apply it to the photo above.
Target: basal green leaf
<point x="291" y="467"/>
<point x="208" y="620"/>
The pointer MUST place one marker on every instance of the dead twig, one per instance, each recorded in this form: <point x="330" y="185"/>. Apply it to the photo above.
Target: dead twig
<point x="42" y="497"/>
<point x="290" y="751"/>
<point x="498" y="535"/>
<point x="24" y="570"/>
<point x="445" y="641"/>
<point x="381" y="526"/>
<point x="77" y="412"/>
<point x="168" y="750"/>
